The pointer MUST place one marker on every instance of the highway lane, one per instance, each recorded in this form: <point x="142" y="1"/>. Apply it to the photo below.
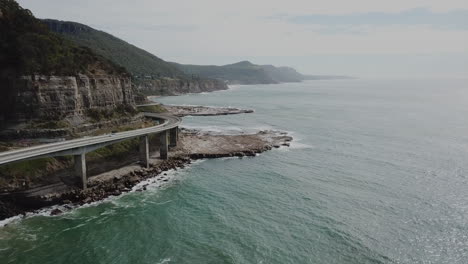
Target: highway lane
<point x="48" y="149"/>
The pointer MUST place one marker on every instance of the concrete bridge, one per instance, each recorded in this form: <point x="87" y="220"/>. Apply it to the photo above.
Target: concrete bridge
<point x="168" y="136"/>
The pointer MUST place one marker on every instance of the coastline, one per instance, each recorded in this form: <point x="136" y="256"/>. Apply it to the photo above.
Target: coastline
<point x="197" y="110"/>
<point x="193" y="145"/>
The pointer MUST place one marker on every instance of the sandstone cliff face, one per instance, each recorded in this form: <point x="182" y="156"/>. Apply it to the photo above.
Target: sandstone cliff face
<point x="55" y="97"/>
<point x="169" y="86"/>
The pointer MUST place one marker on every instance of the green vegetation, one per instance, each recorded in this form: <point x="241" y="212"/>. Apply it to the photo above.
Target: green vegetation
<point x="28" y="47"/>
<point x="105" y="114"/>
<point x="145" y="66"/>
<point x="49" y="125"/>
<point x="24" y="174"/>
<point x="117" y="151"/>
<point x="21" y="174"/>
<point x="152" y="108"/>
<point x="244" y="72"/>
<point x="29" y="167"/>
<point x="119" y="128"/>
<point x="139" y="62"/>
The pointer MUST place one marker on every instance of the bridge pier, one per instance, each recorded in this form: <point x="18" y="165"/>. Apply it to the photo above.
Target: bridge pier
<point x="80" y="169"/>
<point x="144" y="151"/>
<point x="163" y="145"/>
<point x="174" y="136"/>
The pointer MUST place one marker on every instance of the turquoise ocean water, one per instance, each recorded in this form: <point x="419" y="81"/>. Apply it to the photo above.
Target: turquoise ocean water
<point x="377" y="173"/>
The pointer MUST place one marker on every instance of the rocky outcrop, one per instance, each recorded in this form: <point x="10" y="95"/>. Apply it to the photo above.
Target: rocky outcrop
<point x="55" y="97"/>
<point x="168" y="86"/>
<point x="188" y="110"/>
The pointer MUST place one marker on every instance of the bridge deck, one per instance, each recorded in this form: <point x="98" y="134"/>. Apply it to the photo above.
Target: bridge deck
<point x="87" y="144"/>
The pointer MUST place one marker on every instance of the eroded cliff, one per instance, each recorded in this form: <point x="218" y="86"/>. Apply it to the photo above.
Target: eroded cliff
<point x="153" y="75"/>
<point x="46" y="77"/>
<point x="168" y="86"/>
<point x="55" y="97"/>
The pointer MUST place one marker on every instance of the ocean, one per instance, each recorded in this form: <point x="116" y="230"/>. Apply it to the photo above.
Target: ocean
<point x="377" y="173"/>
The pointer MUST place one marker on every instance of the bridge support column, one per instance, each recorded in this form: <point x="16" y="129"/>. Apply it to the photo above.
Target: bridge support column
<point x="144" y="151"/>
<point x="163" y="146"/>
<point x="80" y="169"/>
<point x="174" y="137"/>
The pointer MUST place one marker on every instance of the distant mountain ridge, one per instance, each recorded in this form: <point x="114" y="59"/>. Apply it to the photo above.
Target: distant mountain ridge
<point x="151" y="74"/>
<point x="137" y="61"/>
<point x="154" y="76"/>
<point x="243" y="72"/>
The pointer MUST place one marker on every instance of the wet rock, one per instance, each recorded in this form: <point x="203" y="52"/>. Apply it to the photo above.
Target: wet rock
<point x="56" y="212"/>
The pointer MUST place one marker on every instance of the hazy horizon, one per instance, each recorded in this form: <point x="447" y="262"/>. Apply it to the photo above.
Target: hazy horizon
<point x="364" y="39"/>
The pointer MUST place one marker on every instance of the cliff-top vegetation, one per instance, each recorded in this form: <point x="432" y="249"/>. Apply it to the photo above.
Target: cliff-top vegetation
<point x="27" y="47"/>
<point x="139" y="62"/>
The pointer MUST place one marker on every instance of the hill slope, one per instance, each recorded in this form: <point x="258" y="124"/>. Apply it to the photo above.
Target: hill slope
<point x="139" y="62"/>
<point x="155" y="76"/>
<point x="29" y="47"/>
<point x="244" y="72"/>
<point x="43" y="76"/>
<point x="152" y="75"/>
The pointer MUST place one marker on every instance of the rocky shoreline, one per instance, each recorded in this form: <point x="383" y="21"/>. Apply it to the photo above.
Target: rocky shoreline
<point x="193" y="145"/>
<point x="196" y="110"/>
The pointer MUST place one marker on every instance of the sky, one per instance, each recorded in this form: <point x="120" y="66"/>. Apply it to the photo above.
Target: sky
<point x="362" y="38"/>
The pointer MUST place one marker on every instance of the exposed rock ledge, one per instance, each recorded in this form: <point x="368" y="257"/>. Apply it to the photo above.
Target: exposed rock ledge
<point x="193" y="145"/>
<point x="182" y="110"/>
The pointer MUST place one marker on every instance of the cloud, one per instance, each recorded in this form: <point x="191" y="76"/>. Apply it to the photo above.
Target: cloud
<point x="451" y="20"/>
<point x="223" y="31"/>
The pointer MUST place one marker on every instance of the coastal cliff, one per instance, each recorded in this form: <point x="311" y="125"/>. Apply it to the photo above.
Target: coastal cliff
<point x="168" y="86"/>
<point x="153" y="75"/>
<point x="55" y="97"/>
<point x="45" y="77"/>
<point x="243" y="72"/>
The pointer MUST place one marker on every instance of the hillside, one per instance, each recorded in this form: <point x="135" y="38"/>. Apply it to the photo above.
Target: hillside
<point x="283" y="74"/>
<point x="137" y="61"/>
<point x="28" y="47"/>
<point x="46" y="77"/>
<point x="155" y="76"/>
<point x="244" y="72"/>
<point x="239" y="73"/>
<point x="152" y="75"/>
